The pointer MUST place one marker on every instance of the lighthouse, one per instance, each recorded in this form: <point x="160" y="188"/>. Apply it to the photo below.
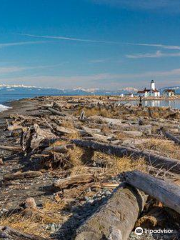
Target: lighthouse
<point x="152" y="92"/>
<point x="152" y="87"/>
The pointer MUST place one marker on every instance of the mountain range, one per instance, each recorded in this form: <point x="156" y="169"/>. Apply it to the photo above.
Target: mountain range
<point x="29" y="91"/>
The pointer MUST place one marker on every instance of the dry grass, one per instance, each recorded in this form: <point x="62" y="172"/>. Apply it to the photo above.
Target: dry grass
<point x="25" y="225"/>
<point x="105" y="129"/>
<point x="67" y="124"/>
<point x="123" y="111"/>
<point x="75" y="156"/>
<point x="36" y="224"/>
<point x="70" y="125"/>
<point x="164" y="147"/>
<point x="97" y="112"/>
<point x="127" y="164"/>
<point x="121" y="136"/>
<point x="59" y="143"/>
<point x="115" y="165"/>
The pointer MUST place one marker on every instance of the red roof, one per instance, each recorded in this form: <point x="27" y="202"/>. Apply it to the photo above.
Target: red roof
<point x="148" y="90"/>
<point x="169" y="90"/>
<point x="141" y="91"/>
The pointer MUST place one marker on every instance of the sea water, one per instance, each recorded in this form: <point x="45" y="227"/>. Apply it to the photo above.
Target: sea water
<point x="156" y="103"/>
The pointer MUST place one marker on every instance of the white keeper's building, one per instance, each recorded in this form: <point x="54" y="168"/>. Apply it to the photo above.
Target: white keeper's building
<point x="152" y="92"/>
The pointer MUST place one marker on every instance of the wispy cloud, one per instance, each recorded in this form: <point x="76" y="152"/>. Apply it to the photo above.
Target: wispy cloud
<point x="68" y="38"/>
<point x="103" y="80"/>
<point x="157" y="54"/>
<point x="3" y="45"/>
<point x="164" y="46"/>
<point x="170" y="47"/>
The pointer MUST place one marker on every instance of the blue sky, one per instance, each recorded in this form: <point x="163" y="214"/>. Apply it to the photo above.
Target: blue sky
<point x="108" y="44"/>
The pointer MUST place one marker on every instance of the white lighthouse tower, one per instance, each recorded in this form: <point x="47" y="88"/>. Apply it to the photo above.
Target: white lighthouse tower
<point x="152" y="87"/>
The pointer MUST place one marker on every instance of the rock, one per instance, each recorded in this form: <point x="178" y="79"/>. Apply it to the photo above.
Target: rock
<point x="107" y="193"/>
<point x="53" y="228"/>
<point x="30" y="203"/>
<point x="1" y="162"/>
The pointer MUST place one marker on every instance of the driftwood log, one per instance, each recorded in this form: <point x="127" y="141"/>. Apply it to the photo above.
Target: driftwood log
<point x="11" y="148"/>
<point x="60" y="149"/>
<point x="170" y="136"/>
<point x="120" y="151"/>
<point x="21" y="175"/>
<point x="56" y="112"/>
<point x="116" y="218"/>
<point x="62" y="130"/>
<point x="73" y="181"/>
<point x="167" y="193"/>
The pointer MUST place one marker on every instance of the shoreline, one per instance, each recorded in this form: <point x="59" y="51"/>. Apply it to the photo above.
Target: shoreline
<point x="136" y="98"/>
<point x="54" y="123"/>
<point x="21" y="105"/>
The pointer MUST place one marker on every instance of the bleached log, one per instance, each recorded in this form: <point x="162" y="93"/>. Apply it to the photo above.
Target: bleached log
<point x="170" y="136"/>
<point x="22" y="175"/>
<point x="105" y="185"/>
<point x="110" y="121"/>
<point x="14" y="127"/>
<point x="11" y="148"/>
<point x="120" y="151"/>
<point x="133" y="133"/>
<point x="34" y="136"/>
<point x="54" y="111"/>
<point x="116" y="218"/>
<point x="74" y="180"/>
<point x="60" y="149"/>
<point x="91" y="130"/>
<point x="165" y="192"/>
<point x="63" y="130"/>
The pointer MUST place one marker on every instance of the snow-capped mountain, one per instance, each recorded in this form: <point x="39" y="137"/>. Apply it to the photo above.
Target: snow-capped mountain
<point x="13" y="92"/>
<point x="22" y="89"/>
<point x="176" y="88"/>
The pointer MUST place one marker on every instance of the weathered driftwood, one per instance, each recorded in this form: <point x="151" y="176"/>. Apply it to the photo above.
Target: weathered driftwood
<point x="91" y="131"/>
<point x="63" y="130"/>
<point x="57" y="106"/>
<point x="54" y="111"/>
<point x="34" y="137"/>
<point x="118" y="124"/>
<point x="11" y="148"/>
<point x="105" y="185"/>
<point x="60" y="149"/>
<point x="116" y="218"/>
<point x="95" y="134"/>
<point x="39" y="135"/>
<point x="21" y="175"/>
<point x="12" y="234"/>
<point x="74" y="180"/>
<point x="133" y="133"/>
<point x="110" y="121"/>
<point x="167" y="193"/>
<point x="170" y="136"/>
<point x="13" y="127"/>
<point x="120" y="151"/>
